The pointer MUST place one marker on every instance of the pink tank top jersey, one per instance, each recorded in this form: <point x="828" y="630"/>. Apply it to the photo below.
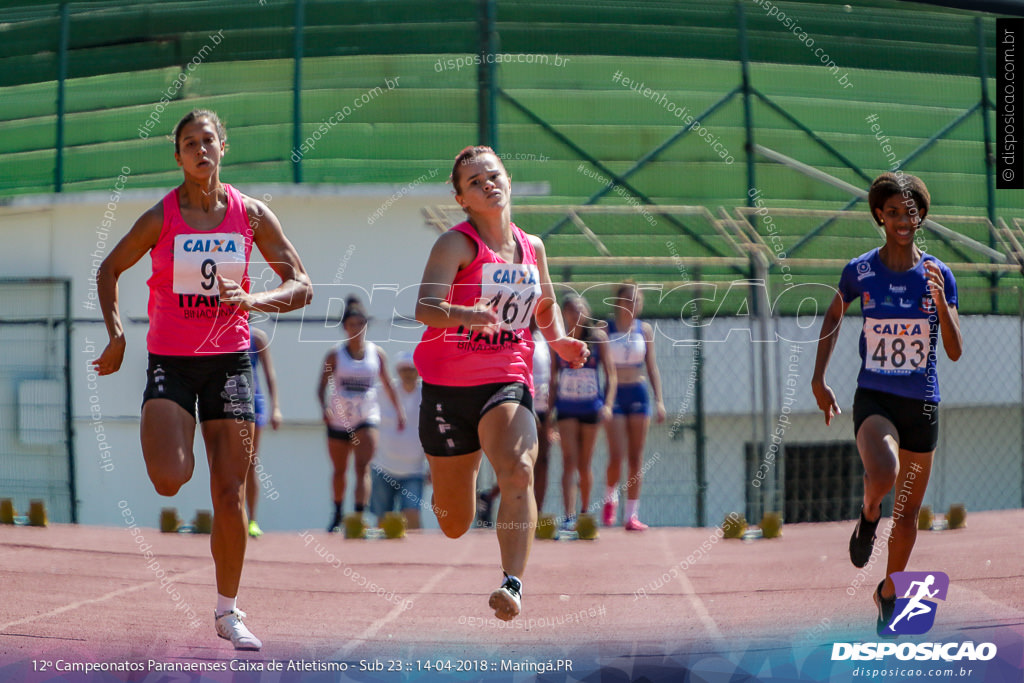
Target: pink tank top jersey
<point x="186" y="317"/>
<point x="460" y="357"/>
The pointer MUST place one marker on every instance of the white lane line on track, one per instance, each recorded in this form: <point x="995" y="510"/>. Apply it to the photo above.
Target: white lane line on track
<point x="691" y="594"/>
<point x="92" y="601"/>
<point x="372" y="630"/>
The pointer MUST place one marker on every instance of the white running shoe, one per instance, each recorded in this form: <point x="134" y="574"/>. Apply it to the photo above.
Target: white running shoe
<point x="507" y="601"/>
<point x="230" y="627"/>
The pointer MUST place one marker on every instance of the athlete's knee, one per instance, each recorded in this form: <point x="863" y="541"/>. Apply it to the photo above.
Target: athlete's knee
<point x="454" y="528"/>
<point x="882" y="476"/>
<point x="227" y="493"/>
<point x="516" y="477"/>
<point x="167" y="485"/>
<point x="167" y="481"/>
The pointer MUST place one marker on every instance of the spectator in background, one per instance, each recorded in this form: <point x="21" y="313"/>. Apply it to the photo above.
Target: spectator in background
<point x="351" y="410"/>
<point x="631" y="346"/>
<point x="581" y="403"/>
<point x="399" y="468"/>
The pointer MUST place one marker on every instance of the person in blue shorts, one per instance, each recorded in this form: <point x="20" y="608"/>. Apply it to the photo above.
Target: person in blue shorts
<point x="631" y="345"/>
<point x="259" y="354"/>
<point x="581" y="404"/>
<point x="907" y="300"/>
<point x="399" y="467"/>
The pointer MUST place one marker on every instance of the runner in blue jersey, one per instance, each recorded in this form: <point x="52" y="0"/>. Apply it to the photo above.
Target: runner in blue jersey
<point x="581" y="403"/>
<point x="908" y="299"/>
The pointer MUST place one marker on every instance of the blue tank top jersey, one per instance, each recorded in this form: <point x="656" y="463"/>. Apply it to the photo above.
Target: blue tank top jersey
<point x="579" y="389"/>
<point x="900" y="327"/>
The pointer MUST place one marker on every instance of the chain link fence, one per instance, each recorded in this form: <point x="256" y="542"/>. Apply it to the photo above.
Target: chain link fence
<point x="35" y="435"/>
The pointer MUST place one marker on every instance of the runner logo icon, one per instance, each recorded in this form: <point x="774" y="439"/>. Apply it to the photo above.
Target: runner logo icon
<point x="916" y="595"/>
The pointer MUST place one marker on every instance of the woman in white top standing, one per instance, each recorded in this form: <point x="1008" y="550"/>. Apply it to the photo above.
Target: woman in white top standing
<point x="631" y="345"/>
<point x="352" y="369"/>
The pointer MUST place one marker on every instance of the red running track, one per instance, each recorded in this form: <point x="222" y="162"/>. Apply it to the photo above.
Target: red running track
<point x="87" y="591"/>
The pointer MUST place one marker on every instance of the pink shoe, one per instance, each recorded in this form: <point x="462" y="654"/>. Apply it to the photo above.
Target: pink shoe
<point x="635" y="524"/>
<point x="609" y="512"/>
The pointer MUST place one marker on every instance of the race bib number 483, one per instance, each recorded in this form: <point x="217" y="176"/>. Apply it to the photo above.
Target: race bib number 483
<point x="198" y="259"/>
<point x="512" y="290"/>
<point x="896" y="346"/>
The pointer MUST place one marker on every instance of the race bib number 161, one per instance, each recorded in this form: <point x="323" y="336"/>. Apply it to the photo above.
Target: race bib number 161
<point x="513" y="291"/>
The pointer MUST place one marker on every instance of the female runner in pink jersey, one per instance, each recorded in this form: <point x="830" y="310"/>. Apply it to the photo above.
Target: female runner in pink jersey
<point x="484" y="281"/>
<point x="199" y="238"/>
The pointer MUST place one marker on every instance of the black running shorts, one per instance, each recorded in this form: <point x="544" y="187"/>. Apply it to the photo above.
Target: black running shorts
<point x="450" y="416"/>
<point x="346" y="435"/>
<point x="916" y="421"/>
<point x="221" y="384"/>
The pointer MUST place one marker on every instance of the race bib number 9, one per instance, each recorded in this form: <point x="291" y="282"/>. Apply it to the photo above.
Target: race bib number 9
<point x="198" y="259"/>
<point x="896" y="346"/>
<point x="512" y="290"/>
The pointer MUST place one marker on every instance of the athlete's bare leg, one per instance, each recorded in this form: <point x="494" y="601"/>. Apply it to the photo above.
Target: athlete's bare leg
<point x="636" y="430"/>
<point x="454" y="481"/>
<point x="540" y="469"/>
<point x="878" y="445"/>
<point x="887" y="465"/>
<point x="508" y="434"/>
<point x="588" y="436"/>
<point x="364" y="444"/>
<point x="616" y="432"/>
<point x="569" y="437"/>
<point x="168" y="432"/>
<point x="228" y="450"/>
<point x="915" y="469"/>
<point x="339" y="449"/>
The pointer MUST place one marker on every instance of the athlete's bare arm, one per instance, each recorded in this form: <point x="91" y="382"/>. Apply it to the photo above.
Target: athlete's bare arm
<point x="295" y="290"/>
<point x="451" y="252"/>
<point x="549" y="316"/>
<point x="823" y="394"/>
<point x="326" y="372"/>
<point x="653" y="374"/>
<point x="553" y="383"/>
<point x="949" y="319"/>
<point x="389" y="389"/>
<point x="611" y="377"/>
<point x="140" y="239"/>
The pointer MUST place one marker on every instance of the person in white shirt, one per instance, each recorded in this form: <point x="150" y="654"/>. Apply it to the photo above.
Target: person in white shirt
<point x="399" y="468"/>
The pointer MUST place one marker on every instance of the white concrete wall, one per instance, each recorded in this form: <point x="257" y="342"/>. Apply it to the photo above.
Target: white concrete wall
<point x="342" y="251"/>
<point x="979" y="458"/>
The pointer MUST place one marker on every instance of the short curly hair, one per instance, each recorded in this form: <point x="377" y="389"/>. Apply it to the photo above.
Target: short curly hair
<point x="888" y="184"/>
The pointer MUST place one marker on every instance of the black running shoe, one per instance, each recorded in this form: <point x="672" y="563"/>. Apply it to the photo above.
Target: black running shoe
<point x="335" y="525"/>
<point x="886" y="606"/>
<point x="863" y="540"/>
<point x="507" y="601"/>
<point x="483" y="510"/>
